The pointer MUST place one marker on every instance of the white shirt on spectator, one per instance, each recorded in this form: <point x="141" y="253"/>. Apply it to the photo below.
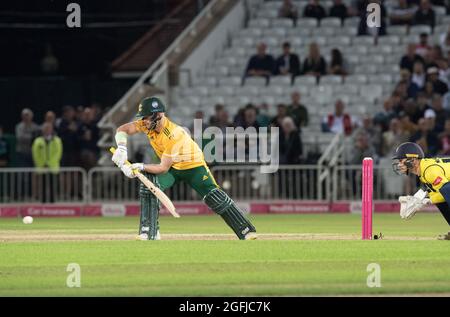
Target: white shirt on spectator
<point x="419" y="80"/>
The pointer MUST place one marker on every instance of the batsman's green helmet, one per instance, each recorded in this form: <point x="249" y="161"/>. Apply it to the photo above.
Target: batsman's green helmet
<point x="149" y="106"/>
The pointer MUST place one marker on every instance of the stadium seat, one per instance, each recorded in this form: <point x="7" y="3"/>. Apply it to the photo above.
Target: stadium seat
<point x="331" y="79"/>
<point x="389" y="39"/>
<point x="307" y="23"/>
<point x="279" y="32"/>
<point x="339" y="40"/>
<point x="371" y="92"/>
<point x="282" y="22"/>
<point x="255" y="81"/>
<point x="353" y="21"/>
<point x="356" y="79"/>
<point x="363" y="40"/>
<point x="380" y="79"/>
<point x="281" y="80"/>
<point x="418" y="29"/>
<point x="330" y="22"/>
<point x="323" y="31"/>
<point x="274" y="90"/>
<point x="222" y="91"/>
<point x="398" y="29"/>
<point x="366" y="69"/>
<point x="230" y="81"/>
<point x="306" y="80"/>
<point x="252" y="32"/>
<point x="246" y="91"/>
<point x="259" y="23"/>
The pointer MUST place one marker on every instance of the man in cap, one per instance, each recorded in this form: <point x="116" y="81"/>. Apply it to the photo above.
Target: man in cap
<point x="181" y="160"/>
<point x="434" y="175"/>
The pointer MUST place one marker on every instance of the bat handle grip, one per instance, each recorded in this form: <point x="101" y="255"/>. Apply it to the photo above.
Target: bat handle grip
<point x="112" y="150"/>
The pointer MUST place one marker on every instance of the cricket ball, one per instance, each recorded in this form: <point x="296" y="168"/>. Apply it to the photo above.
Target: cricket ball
<point x="28" y="220"/>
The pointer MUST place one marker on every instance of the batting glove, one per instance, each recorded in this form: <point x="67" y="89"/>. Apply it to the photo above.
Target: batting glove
<point x="128" y="171"/>
<point x="120" y="156"/>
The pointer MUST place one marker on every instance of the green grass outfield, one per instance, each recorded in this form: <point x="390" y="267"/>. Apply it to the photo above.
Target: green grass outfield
<point x="296" y="255"/>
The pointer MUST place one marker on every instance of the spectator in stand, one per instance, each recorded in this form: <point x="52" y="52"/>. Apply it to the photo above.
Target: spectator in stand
<point x="412" y="88"/>
<point x="47" y="153"/>
<point x="403" y="14"/>
<point x="281" y="114"/>
<point x="444" y="40"/>
<point x="438" y="86"/>
<point x="5" y="150"/>
<point x="372" y="131"/>
<point x="223" y="120"/>
<point x="363" y="28"/>
<point x="314" y="10"/>
<point x="441" y="113"/>
<point x="337" y="63"/>
<point x="339" y="10"/>
<point x="412" y="110"/>
<point x="263" y="117"/>
<point x="288" y="64"/>
<point x="422" y="48"/>
<point x="425" y="14"/>
<point x="260" y="64"/>
<point x="407" y="125"/>
<point x="444" y="71"/>
<point x="89" y="135"/>
<point x="198" y="115"/>
<point x="427" y="139"/>
<point x="26" y="131"/>
<point x="68" y="132"/>
<point x="418" y="75"/>
<point x="339" y="121"/>
<point x="392" y="138"/>
<point x="444" y="138"/>
<point x="214" y="119"/>
<point x="428" y="91"/>
<point x="446" y="101"/>
<point x="288" y="10"/>
<point x="291" y="148"/>
<point x="363" y="148"/>
<point x="50" y="118"/>
<point x="423" y="102"/>
<point x="411" y="57"/>
<point x="314" y="63"/>
<point x="384" y="117"/>
<point x="238" y="120"/>
<point x="49" y="63"/>
<point x="250" y="114"/>
<point x="297" y="111"/>
<point x="430" y="119"/>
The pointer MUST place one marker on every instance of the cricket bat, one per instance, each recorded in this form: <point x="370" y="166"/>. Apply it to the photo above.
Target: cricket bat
<point x="154" y="190"/>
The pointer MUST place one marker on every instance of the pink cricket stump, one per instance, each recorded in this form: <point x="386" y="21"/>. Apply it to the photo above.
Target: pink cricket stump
<point x="367" y="205"/>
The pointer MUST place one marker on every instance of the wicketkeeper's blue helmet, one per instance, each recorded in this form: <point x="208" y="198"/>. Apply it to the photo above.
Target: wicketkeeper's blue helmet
<point x="408" y="151"/>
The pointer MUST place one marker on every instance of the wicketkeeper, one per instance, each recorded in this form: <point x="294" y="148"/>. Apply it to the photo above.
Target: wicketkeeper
<point x="181" y="160"/>
<point x="433" y="173"/>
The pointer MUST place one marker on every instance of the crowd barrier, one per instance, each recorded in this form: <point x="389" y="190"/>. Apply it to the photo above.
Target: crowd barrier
<point x="106" y="191"/>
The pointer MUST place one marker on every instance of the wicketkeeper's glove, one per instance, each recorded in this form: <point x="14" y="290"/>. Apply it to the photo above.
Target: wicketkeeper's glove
<point x="411" y="204"/>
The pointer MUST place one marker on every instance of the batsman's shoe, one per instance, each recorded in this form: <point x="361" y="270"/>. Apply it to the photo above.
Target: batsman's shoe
<point x="144" y="236"/>
<point x="251" y="236"/>
<point x="445" y="236"/>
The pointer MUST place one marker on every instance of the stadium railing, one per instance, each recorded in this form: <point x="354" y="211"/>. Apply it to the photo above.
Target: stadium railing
<point x="242" y="182"/>
<point x="31" y="185"/>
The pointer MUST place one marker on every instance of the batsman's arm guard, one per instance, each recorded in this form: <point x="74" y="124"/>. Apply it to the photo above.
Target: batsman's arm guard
<point x="224" y="206"/>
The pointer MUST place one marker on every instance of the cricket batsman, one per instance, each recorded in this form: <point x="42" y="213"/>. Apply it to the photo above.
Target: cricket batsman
<point x="433" y="173"/>
<point x="181" y="160"/>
